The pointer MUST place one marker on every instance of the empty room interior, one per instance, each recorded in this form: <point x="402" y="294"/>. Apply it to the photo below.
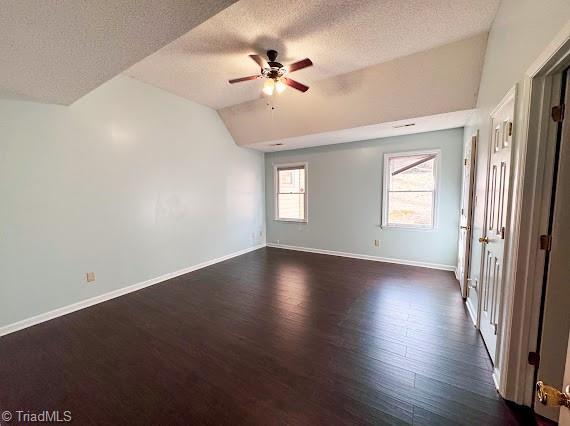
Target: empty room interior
<point x="285" y="212"/>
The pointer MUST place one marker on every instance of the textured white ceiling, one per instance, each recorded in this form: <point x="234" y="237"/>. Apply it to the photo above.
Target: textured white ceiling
<point x="435" y="81"/>
<point x="339" y="36"/>
<point x="57" y="51"/>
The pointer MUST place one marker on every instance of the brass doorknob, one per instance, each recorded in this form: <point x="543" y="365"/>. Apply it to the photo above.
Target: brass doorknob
<point x="552" y="397"/>
<point x="484" y="240"/>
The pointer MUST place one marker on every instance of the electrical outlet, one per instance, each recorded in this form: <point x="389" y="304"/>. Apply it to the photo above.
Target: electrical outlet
<point x="376" y="243"/>
<point x="278" y="241"/>
<point x="90" y="277"/>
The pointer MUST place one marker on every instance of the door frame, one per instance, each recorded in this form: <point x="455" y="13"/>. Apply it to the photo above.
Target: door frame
<point x="531" y="190"/>
<point x="474" y="141"/>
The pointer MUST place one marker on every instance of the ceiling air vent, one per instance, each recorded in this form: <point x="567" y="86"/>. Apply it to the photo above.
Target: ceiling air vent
<point x="404" y="125"/>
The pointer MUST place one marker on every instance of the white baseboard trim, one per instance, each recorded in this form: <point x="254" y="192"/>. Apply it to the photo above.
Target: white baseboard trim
<point x="366" y="257"/>
<point x="28" y="322"/>
<point x="496" y="375"/>
<point x="471" y="312"/>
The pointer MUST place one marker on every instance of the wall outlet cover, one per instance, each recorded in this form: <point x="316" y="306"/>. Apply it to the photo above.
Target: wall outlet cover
<point x="90" y="277"/>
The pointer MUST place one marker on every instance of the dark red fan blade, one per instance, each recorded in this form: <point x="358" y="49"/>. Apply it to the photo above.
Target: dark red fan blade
<point x="251" y="77"/>
<point x="259" y="61"/>
<point x="295" y="84"/>
<point x="300" y="65"/>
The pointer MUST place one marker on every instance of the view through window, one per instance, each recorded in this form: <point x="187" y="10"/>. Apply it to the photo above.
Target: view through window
<point x="410" y="190"/>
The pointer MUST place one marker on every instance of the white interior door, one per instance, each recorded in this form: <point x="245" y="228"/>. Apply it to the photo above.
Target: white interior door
<point x="556" y="316"/>
<point x="492" y="260"/>
<point x="465" y="222"/>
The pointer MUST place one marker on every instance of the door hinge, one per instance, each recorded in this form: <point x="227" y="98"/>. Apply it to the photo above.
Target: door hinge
<point x="558" y="113"/>
<point x="546" y="242"/>
<point x="534" y="358"/>
<point x="465" y="161"/>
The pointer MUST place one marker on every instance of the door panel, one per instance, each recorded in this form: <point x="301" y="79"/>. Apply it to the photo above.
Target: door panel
<point x="493" y="241"/>
<point x="466" y="215"/>
<point x="556" y="317"/>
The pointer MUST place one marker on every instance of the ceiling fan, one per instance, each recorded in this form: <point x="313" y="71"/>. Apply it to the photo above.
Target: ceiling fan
<point x="275" y="73"/>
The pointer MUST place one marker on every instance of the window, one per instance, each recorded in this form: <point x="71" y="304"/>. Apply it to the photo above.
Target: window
<point x="410" y="188"/>
<point x="291" y="192"/>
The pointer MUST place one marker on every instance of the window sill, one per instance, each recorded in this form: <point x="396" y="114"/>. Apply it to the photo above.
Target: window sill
<point x="291" y="220"/>
<point x="408" y="228"/>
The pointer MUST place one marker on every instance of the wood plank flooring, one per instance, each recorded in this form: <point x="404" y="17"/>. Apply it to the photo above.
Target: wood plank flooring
<point x="270" y="337"/>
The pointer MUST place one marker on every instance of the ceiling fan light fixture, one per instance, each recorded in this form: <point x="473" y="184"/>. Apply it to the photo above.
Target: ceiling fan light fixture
<point x="269" y="86"/>
<point x="280" y="86"/>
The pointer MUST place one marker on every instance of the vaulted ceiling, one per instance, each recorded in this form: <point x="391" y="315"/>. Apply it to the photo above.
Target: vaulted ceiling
<point x="58" y="51"/>
<point x="437" y="81"/>
<point x="377" y="62"/>
<point x="340" y="36"/>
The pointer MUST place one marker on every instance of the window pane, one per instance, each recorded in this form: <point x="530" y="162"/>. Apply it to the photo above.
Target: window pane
<point x="287" y="177"/>
<point x="292" y="181"/>
<point x="417" y="178"/>
<point x="410" y="208"/>
<point x="291" y="206"/>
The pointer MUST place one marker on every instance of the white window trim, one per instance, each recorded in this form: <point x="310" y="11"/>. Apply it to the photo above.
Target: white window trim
<point x="386" y="179"/>
<point x="276" y="167"/>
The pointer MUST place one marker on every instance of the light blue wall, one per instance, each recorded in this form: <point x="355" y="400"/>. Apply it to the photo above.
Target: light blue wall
<point x="344" y="199"/>
<point x="129" y="182"/>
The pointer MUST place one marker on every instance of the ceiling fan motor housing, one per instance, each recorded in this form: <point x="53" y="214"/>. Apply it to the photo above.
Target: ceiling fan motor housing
<point x="272" y="55"/>
<point x="276" y="69"/>
<point x="273" y="72"/>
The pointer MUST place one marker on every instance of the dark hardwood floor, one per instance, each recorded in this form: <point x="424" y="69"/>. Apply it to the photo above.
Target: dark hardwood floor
<point x="270" y="337"/>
